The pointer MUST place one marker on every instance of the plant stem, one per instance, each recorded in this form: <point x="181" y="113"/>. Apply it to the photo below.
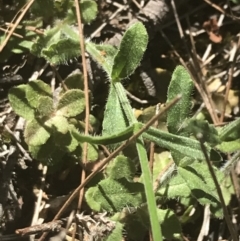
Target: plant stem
<point x="225" y="211"/>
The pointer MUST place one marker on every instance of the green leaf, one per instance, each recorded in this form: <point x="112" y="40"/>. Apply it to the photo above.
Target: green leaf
<point x="171" y="227"/>
<point x="48" y="153"/>
<point x="231" y="131"/>
<point x="131" y="50"/>
<point x="44" y="41"/>
<point x="59" y="122"/>
<point x="229" y="146"/>
<point x="201" y="128"/>
<point x="177" y="187"/>
<point x="181" y="83"/>
<point x="121" y="167"/>
<point x="19" y="102"/>
<point x="36" y="89"/>
<point x="35" y="133"/>
<point x="199" y="180"/>
<point x="61" y="51"/>
<point x="88" y="10"/>
<point x="182" y="145"/>
<point x="45" y="106"/>
<point x="114" y="120"/>
<point x="71" y="103"/>
<point x="74" y="80"/>
<point x="103" y="54"/>
<point x="116" y="234"/>
<point x="114" y="195"/>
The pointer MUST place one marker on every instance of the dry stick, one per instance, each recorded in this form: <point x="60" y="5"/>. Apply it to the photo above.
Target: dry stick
<point x="232" y="60"/>
<point x="14" y="34"/>
<point x="219" y="192"/>
<point x="203" y="88"/>
<point x="28" y="5"/>
<point x="220" y="9"/>
<point x="85" y="76"/>
<point x="112" y="155"/>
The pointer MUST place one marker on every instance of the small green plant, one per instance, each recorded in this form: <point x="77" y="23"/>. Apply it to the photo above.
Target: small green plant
<point x="50" y="132"/>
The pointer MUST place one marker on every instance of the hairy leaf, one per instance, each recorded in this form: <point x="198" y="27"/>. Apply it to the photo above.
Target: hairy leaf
<point x="35" y="133"/>
<point x="116" y="234"/>
<point x="199" y="180"/>
<point x="113" y="195"/>
<point x="45" y="106"/>
<point x="121" y="167"/>
<point x="48" y="154"/>
<point x="131" y="50"/>
<point x="19" y="102"/>
<point x="171" y="227"/>
<point x="74" y="80"/>
<point x="177" y="187"/>
<point x="202" y="129"/>
<point x="114" y="118"/>
<point x="181" y="83"/>
<point x="71" y="103"/>
<point x="229" y="146"/>
<point x="44" y="41"/>
<point x="182" y="145"/>
<point x="36" y="89"/>
<point x="61" y="51"/>
<point x="88" y="10"/>
<point x="103" y="54"/>
<point x="231" y="131"/>
<point x="59" y="122"/>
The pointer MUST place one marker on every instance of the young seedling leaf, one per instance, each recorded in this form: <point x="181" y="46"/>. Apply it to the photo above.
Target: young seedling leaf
<point x="103" y="54"/>
<point x="121" y="167"/>
<point x="44" y="41"/>
<point x="229" y="146"/>
<point x="45" y="106"/>
<point x="61" y="51"/>
<point x="176" y="188"/>
<point x="35" y="133"/>
<point x="74" y="80"/>
<point x="114" y="120"/>
<point x="199" y="180"/>
<point x="59" y="122"/>
<point x="19" y="102"/>
<point x="181" y="83"/>
<point x="113" y="195"/>
<point x="71" y="103"/>
<point x="88" y="10"/>
<point x="36" y="89"/>
<point x="182" y="145"/>
<point x="48" y="154"/>
<point x="116" y="234"/>
<point x="231" y="131"/>
<point x="171" y="227"/>
<point x="201" y="128"/>
<point x="131" y="50"/>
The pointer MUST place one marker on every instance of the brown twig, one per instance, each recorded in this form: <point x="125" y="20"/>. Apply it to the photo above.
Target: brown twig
<point x="45" y="227"/>
<point x="232" y="60"/>
<point x="112" y="155"/>
<point x="25" y="8"/>
<point x="85" y="76"/>
<point x="220" y="9"/>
